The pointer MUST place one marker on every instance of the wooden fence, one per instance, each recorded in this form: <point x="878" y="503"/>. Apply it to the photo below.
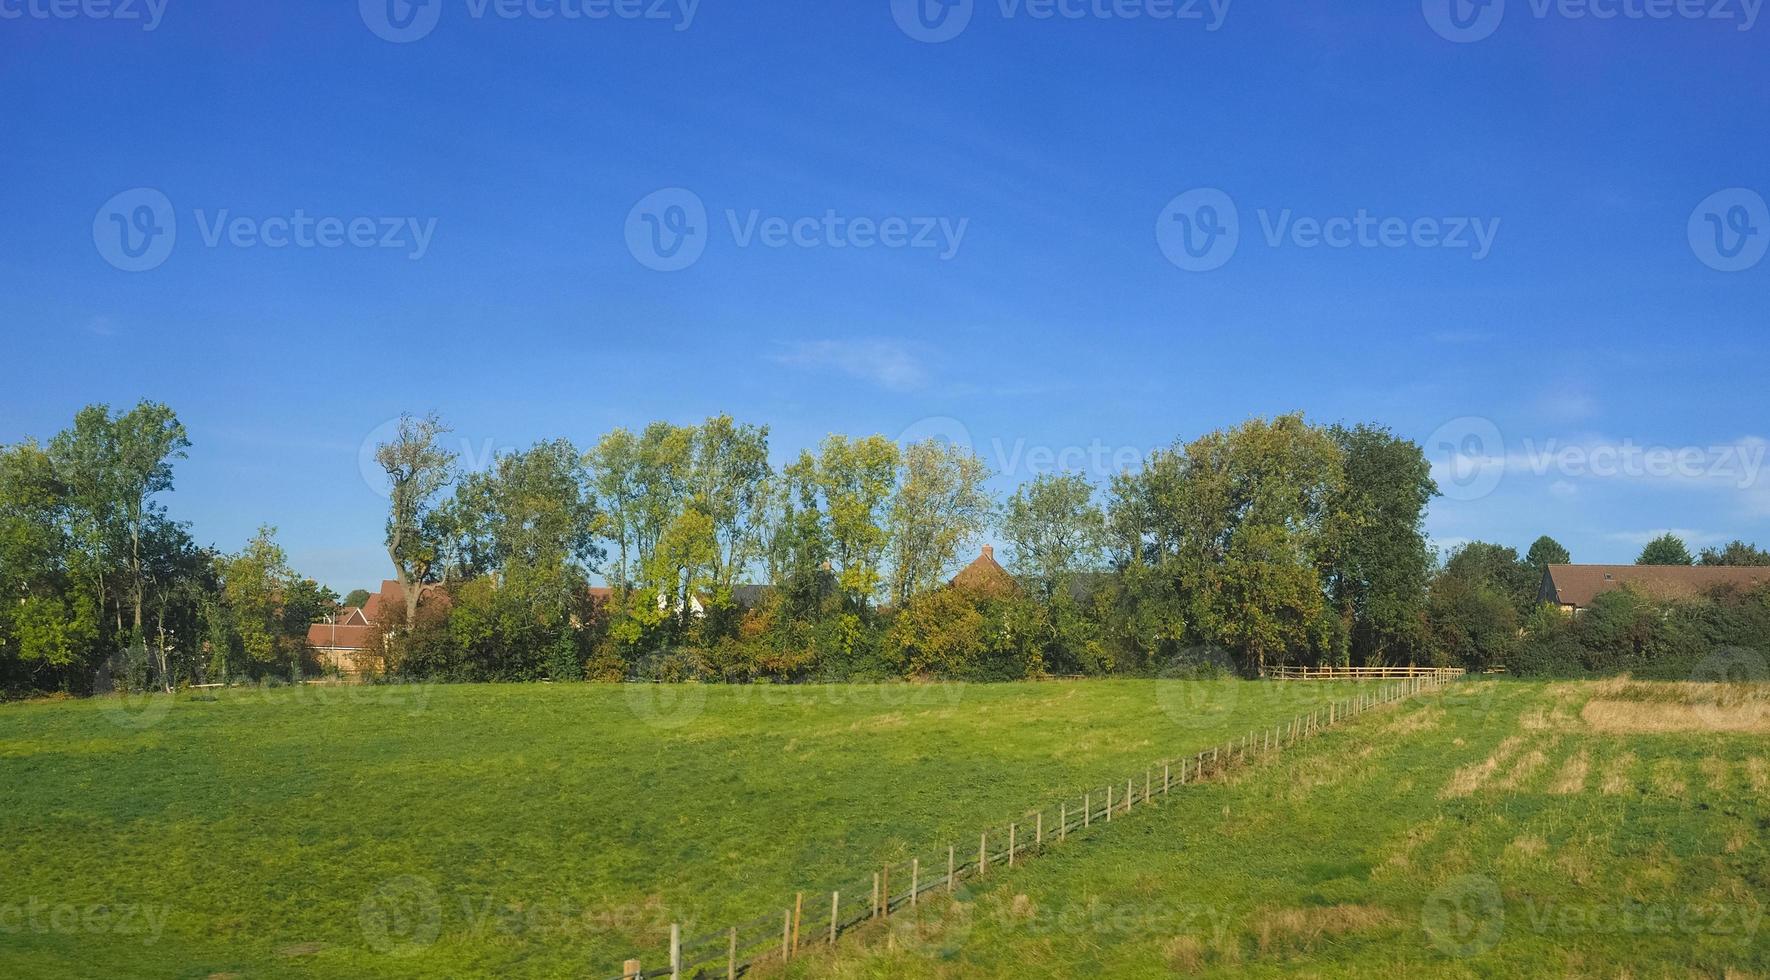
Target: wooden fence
<point x="1358" y="673"/>
<point x="804" y="922"/>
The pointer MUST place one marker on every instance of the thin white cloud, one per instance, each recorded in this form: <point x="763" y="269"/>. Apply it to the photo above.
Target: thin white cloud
<point x="887" y="364"/>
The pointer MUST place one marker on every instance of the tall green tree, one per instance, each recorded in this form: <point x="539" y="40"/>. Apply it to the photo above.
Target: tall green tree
<point x="1378" y="561"/>
<point x="1054" y="528"/>
<point x="418" y="467"/>
<point x="267" y="607"/>
<point x="854" y="480"/>
<point x="1238" y="523"/>
<point x="1546" y="551"/>
<point x="1667" y="549"/>
<point x="940" y="507"/>
<point x="729" y="485"/>
<point x="1735" y="553"/>
<point x="615" y="479"/>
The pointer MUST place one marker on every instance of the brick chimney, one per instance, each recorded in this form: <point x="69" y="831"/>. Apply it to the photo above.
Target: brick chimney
<point x="989" y="552"/>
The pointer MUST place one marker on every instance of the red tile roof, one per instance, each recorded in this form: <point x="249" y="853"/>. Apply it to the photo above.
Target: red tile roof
<point x="1578" y="585"/>
<point x="986" y="576"/>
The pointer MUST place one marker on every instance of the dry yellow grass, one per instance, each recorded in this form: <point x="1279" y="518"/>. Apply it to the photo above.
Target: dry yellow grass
<point x="1527" y="766"/>
<point x="1572" y="777"/>
<point x="1185" y="954"/>
<point x="1530" y="845"/>
<point x="1414" y="722"/>
<point x="1716" y="770"/>
<point x="1661" y="717"/>
<point x="1300" y="929"/>
<point x="1757" y="772"/>
<point x="1471" y="778"/>
<point x="1617" y="774"/>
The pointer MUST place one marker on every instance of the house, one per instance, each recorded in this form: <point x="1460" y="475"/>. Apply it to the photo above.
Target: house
<point x="343" y="641"/>
<point x="1573" y="587"/>
<point x="986" y="577"/>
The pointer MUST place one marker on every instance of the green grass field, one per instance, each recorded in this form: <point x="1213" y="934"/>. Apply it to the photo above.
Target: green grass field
<point x="1500" y="829"/>
<point x="522" y="830"/>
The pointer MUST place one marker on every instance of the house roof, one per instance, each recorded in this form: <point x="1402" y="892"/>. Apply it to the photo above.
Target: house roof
<point x="335" y="636"/>
<point x="986" y="576"/>
<point x="351" y="627"/>
<point x="1578" y="585"/>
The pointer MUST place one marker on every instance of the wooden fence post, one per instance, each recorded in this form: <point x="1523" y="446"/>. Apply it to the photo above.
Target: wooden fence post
<point x="915" y="880"/>
<point x="731" y="954"/>
<point x="885" y="891"/>
<point x="1063" y="821"/>
<point x="675" y="951"/>
<point x="1109" y="803"/>
<point x="1011" y="829"/>
<point x="1130" y="791"/>
<point x="951" y="852"/>
<point x="835" y="904"/>
<point x="875" y="914"/>
<point x="1039" y="831"/>
<point x="1087" y="808"/>
<point x="630" y="969"/>
<point x="982" y="853"/>
<point x="1167" y="776"/>
<point x="798" y="911"/>
<point x="1146" y="784"/>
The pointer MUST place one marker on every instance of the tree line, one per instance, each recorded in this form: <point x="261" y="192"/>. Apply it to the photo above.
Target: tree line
<point x="99" y="588"/>
<point x="688" y="552"/>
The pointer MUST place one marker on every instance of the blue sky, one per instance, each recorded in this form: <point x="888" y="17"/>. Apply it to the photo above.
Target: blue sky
<point x="1044" y="160"/>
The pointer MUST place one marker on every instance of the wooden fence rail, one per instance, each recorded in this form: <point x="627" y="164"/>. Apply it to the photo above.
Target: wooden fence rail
<point x="779" y="936"/>
<point x="1358" y="673"/>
